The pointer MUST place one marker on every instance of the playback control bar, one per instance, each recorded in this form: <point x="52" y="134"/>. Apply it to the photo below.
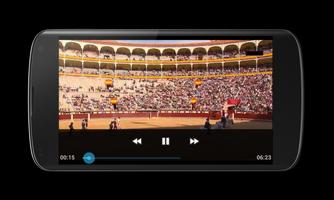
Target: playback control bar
<point x="165" y="141"/>
<point x="166" y="147"/>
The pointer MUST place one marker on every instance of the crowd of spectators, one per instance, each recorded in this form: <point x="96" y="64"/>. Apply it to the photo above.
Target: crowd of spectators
<point x="180" y="72"/>
<point x="81" y="94"/>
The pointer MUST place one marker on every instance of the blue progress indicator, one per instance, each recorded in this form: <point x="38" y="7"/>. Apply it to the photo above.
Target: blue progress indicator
<point x="88" y="158"/>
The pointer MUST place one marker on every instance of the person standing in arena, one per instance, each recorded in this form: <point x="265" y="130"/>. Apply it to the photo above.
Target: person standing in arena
<point x="223" y="119"/>
<point x="115" y="124"/>
<point x="119" y="123"/>
<point x="71" y="128"/>
<point x="207" y="126"/>
<point x="83" y="126"/>
<point x="111" y="126"/>
<point x="86" y="122"/>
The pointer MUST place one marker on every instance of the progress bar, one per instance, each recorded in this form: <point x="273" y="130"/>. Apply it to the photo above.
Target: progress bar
<point x="89" y="158"/>
<point x="138" y="158"/>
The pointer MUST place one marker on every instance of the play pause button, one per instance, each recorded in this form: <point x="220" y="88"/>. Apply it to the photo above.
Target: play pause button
<point x="193" y="141"/>
<point x="165" y="141"/>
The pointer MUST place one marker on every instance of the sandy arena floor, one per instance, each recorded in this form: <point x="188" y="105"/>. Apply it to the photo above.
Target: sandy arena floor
<point x="166" y="123"/>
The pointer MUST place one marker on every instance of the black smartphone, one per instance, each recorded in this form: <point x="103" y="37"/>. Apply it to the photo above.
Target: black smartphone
<point x="165" y="100"/>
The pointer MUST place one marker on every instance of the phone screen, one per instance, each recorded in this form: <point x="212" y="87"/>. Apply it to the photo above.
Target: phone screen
<point x="165" y="101"/>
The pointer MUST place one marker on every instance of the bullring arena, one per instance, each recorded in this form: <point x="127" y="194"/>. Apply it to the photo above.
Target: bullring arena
<point x="172" y="85"/>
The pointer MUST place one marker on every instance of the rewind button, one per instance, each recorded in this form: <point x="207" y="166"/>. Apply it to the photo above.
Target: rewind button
<point x="137" y="141"/>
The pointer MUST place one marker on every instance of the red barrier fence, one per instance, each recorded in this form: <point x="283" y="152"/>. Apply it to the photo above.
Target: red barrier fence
<point x="64" y="116"/>
<point x="112" y="115"/>
<point x="80" y="116"/>
<point x="67" y="116"/>
<point x="183" y="114"/>
<point x="266" y="116"/>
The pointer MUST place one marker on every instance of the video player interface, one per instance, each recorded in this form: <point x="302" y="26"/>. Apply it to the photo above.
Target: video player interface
<point x="165" y="101"/>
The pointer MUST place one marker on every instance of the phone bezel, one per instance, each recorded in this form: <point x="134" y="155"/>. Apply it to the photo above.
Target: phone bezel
<point x="43" y="97"/>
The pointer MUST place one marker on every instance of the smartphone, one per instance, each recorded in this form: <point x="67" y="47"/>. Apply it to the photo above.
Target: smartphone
<point x="165" y="100"/>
